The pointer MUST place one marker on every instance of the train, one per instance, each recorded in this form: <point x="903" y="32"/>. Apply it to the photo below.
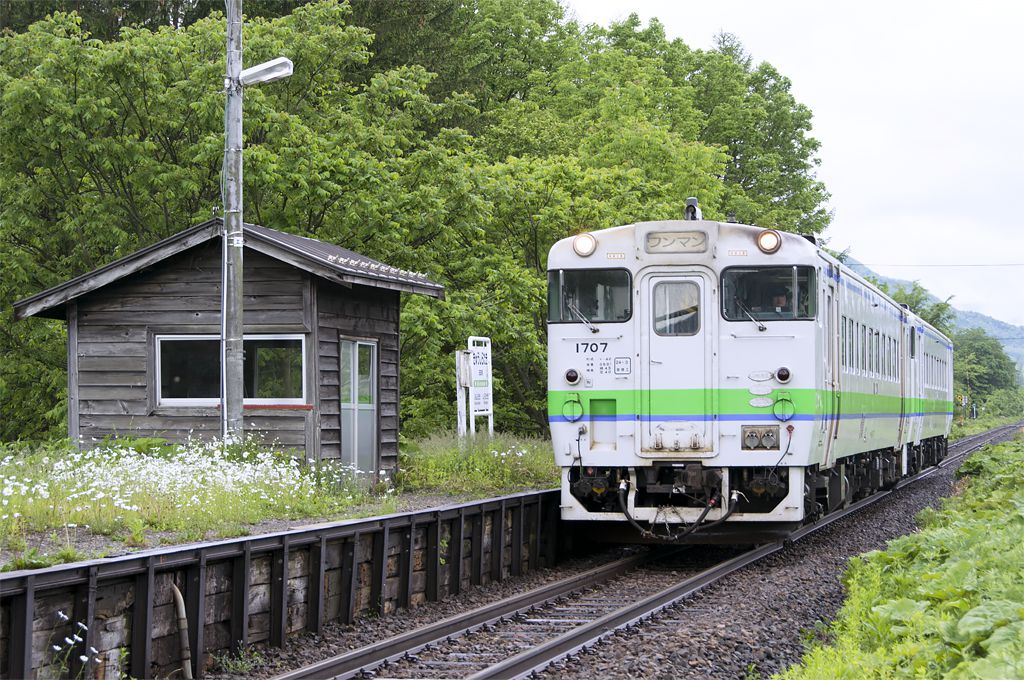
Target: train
<point x="716" y="382"/>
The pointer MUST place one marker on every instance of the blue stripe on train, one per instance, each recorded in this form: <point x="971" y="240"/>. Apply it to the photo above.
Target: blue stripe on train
<point x="738" y="417"/>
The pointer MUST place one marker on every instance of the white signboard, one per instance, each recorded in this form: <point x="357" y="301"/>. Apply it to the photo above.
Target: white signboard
<point x="473" y="375"/>
<point x="480" y="376"/>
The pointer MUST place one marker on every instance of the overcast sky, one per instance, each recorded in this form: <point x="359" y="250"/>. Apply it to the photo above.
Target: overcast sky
<point x="919" y="108"/>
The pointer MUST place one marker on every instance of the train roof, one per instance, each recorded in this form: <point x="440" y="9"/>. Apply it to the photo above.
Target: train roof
<point x="797" y="247"/>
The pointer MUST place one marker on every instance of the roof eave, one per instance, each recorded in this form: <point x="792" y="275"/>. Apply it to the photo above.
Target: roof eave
<point x="45" y="303"/>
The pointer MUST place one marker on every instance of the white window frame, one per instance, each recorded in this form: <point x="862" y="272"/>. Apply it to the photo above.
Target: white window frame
<point x="253" y="401"/>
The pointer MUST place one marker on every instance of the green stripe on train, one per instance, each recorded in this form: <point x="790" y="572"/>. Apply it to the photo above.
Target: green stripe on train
<point x="735" y="401"/>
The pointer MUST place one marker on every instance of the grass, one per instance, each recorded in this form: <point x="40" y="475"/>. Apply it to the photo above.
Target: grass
<point x="123" y="490"/>
<point x="947" y="602"/>
<point x="131" y="489"/>
<point x="965" y="428"/>
<point x="476" y="467"/>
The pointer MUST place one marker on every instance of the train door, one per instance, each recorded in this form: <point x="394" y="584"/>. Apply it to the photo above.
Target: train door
<point x="830" y="373"/>
<point x="675" y="402"/>
<point x="904" y="377"/>
<point x="914" y="406"/>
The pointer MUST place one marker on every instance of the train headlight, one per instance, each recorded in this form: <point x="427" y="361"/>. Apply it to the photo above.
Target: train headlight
<point x="572" y="376"/>
<point x="783" y="375"/>
<point x="584" y="245"/>
<point x="769" y="241"/>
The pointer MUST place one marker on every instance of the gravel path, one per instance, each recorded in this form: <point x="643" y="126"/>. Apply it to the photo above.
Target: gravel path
<point x="752" y="624"/>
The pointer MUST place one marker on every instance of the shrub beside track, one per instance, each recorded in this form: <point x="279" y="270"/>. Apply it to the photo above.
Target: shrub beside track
<point x="946" y="602"/>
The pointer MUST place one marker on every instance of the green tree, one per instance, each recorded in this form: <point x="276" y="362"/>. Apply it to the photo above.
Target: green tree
<point x="460" y="138"/>
<point x="938" y="313"/>
<point x="980" y="365"/>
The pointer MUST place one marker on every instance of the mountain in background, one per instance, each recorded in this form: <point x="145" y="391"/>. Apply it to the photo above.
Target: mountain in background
<point x="1010" y="336"/>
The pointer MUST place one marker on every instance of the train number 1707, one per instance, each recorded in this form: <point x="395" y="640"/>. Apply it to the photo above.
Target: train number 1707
<point x="589" y="347"/>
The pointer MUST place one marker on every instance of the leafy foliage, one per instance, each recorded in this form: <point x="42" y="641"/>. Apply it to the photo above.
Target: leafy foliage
<point x="946" y="602"/>
<point x="460" y="138"/>
<point x="981" y="366"/>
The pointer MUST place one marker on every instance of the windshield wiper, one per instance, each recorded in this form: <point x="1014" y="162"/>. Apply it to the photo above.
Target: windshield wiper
<point x="750" y="315"/>
<point x="580" y="315"/>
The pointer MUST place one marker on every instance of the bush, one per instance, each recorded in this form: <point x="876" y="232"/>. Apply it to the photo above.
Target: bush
<point x="947" y="602"/>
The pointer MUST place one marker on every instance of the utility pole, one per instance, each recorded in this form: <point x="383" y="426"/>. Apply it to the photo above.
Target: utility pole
<point x="232" y="348"/>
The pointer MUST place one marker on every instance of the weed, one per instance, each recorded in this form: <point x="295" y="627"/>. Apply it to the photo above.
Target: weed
<point x="29" y="559"/>
<point x="232" y="531"/>
<point x="242" y="662"/>
<point x="477" y="466"/>
<point x="136" y="532"/>
<point x="946" y="601"/>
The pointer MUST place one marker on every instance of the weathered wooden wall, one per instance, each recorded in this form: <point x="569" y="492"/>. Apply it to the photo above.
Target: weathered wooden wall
<point x="116" y="328"/>
<point x="358" y="313"/>
<point x="112" y="388"/>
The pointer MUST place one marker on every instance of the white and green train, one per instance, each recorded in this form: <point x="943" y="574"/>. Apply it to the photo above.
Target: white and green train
<point x="714" y="381"/>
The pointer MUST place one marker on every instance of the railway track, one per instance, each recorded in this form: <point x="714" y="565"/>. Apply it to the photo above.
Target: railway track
<point x="523" y="635"/>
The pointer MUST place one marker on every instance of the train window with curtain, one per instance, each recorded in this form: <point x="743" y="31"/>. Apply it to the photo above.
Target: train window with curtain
<point x="589" y="296"/>
<point x="676" y="308"/>
<point x="769" y="293"/>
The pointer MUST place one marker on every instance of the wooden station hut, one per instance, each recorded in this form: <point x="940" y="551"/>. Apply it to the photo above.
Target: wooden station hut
<point x="320" y="340"/>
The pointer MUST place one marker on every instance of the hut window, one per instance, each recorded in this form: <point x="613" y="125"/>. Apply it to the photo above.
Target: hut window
<point x="188" y="369"/>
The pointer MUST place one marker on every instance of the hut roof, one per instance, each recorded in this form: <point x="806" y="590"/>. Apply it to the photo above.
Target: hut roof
<point x="325" y="260"/>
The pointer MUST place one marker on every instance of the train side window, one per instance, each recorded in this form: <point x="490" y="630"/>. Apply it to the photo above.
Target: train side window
<point x="864" y="348"/>
<point x="676" y="308"/>
<point x="884" y="339"/>
<point x="878" y="354"/>
<point x="872" y="352"/>
<point x="850" y="341"/>
<point x="842" y="342"/>
<point x="856" y="346"/>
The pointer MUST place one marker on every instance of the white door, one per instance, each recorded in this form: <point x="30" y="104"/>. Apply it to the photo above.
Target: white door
<point x="358" y="376"/>
<point x="830" y="370"/>
<point x="675" y="402"/>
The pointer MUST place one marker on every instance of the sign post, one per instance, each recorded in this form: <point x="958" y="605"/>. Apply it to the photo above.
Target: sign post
<point x="473" y="374"/>
<point x="461" y="385"/>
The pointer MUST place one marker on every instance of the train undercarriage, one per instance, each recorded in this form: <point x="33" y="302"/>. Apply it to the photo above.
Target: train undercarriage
<point x="743" y="492"/>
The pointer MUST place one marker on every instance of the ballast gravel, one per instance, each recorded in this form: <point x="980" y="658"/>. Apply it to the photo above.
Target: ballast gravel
<point x="751" y="624"/>
<point x="759" y="620"/>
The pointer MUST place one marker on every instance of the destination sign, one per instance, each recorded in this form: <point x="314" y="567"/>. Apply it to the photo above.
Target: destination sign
<point x="676" y="242"/>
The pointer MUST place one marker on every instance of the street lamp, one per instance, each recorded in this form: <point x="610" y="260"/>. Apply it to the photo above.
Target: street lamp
<point x="232" y="357"/>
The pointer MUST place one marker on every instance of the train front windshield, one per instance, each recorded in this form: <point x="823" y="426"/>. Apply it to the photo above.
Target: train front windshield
<point x="589" y="295"/>
<point x="768" y="293"/>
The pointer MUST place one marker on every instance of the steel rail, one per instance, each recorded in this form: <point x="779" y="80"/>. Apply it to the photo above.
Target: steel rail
<point x="537" y="659"/>
<point x="365" y="659"/>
